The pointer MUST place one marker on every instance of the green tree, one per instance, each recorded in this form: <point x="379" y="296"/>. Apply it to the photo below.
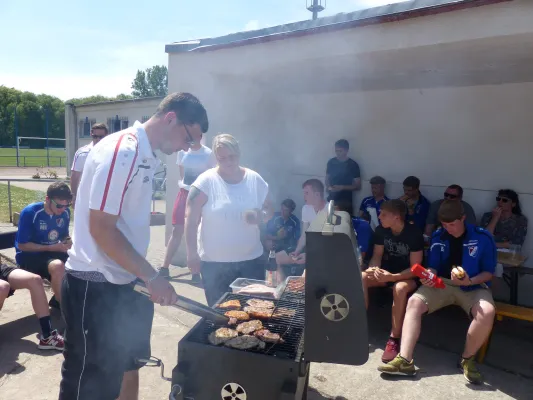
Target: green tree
<point x="98" y="99"/>
<point x="151" y="82"/>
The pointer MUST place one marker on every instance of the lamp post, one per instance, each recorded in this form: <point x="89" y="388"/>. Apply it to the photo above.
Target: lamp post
<point x="46" y="114"/>
<point x="16" y="127"/>
<point x="315" y="6"/>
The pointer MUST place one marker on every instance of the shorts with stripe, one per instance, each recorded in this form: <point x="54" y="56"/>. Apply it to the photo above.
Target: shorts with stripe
<point x="108" y="328"/>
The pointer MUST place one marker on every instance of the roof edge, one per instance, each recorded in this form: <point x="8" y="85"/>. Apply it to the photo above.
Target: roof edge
<point x="137" y="99"/>
<point x="434" y="9"/>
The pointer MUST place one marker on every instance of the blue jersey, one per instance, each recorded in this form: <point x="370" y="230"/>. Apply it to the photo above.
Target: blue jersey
<point x="36" y="226"/>
<point x="364" y="233"/>
<point x="420" y="214"/>
<point x="370" y="202"/>
<point x="479" y="252"/>
<point x="291" y="226"/>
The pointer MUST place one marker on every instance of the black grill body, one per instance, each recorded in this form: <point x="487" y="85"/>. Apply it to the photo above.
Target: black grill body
<point x="279" y="371"/>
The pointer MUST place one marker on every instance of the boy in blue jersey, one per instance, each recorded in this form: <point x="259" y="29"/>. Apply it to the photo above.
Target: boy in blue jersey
<point x="283" y="229"/>
<point x="43" y="238"/>
<point x="373" y="203"/>
<point x="455" y="244"/>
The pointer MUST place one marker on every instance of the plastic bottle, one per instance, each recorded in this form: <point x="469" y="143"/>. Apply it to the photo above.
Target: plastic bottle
<point x="423" y="273"/>
<point x="271" y="273"/>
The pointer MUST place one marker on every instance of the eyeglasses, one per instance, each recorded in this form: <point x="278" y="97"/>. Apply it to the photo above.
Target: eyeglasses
<point x="191" y="141"/>
<point x="97" y="137"/>
<point x="502" y="199"/>
<point x="450" y="196"/>
<point x="60" y="206"/>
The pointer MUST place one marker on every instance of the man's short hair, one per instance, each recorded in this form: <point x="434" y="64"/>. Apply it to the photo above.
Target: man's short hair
<point x="458" y="188"/>
<point x="412" y="182"/>
<point x="377" y="180"/>
<point x="396" y="207"/>
<point x="343" y="144"/>
<point x="316" y="185"/>
<point x="450" y="211"/>
<point x="100" y="125"/>
<point x="189" y="110"/>
<point x="59" y="190"/>
<point x="289" y="203"/>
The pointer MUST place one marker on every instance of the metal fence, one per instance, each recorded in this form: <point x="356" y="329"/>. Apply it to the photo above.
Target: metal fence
<point x="33" y="161"/>
<point x="13" y="197"/>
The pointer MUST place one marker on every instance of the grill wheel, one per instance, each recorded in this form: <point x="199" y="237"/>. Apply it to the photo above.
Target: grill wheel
<point x="233" y="391"/>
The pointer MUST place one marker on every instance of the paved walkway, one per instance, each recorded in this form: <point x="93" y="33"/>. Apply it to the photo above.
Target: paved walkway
<point x="28" y="373"/>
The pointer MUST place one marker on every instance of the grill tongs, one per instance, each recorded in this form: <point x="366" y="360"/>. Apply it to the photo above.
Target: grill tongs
<point x="191" y="306"/>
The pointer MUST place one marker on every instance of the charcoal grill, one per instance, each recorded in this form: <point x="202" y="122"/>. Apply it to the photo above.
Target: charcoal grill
<point x="330" y="315"/>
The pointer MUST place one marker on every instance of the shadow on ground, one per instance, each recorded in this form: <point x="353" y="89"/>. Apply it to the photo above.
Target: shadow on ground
<point x="14" y="348"/>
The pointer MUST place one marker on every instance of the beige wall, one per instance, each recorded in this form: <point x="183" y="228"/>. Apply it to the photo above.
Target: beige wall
<point x="133" y="110"/>
<point x="445" y="131"/>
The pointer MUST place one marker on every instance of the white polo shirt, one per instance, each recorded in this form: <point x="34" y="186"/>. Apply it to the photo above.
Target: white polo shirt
<point x="80" y="157"/>
<point x="117" y="179"/>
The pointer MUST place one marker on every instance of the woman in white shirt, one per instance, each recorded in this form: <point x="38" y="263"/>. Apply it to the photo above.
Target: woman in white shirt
<point x="224" y="208"/>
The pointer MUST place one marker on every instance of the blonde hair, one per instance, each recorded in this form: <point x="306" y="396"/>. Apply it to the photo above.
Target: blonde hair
<point x="228" y="141"/>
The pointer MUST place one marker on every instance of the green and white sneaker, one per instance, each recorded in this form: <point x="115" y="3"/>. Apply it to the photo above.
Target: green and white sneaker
<point x="399" y="366"/>
<point x="470" y="371"/>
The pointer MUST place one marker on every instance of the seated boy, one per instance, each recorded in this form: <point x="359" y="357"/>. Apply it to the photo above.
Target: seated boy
<point x="43" y="239"/>
<point x="455" y="244"/>
<point x="397" y="246"/>
<point x="13" y="278"/>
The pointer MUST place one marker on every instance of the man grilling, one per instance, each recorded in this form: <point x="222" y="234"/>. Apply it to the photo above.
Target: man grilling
<point x="108" y="324"/>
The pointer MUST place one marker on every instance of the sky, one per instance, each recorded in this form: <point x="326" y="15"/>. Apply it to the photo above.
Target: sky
<point x="79" y="48"/>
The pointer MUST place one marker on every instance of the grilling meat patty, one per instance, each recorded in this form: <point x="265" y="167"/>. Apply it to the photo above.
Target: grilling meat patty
<point x="245" y="342"/>
<point x="222" y="335"/>
<point x="260" y="303"/>
<point x="238" y="315"/>
<point x="230" y="304"/>
<point x="266" y="336"/>
<point x="249" y="326"/>
<point x="259" y="313"/>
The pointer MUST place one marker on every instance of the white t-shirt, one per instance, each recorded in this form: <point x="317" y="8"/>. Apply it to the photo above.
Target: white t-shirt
<point x="223" y="234"/>
<point x="309" y="213"/>
<point x="117" y="180"/>
<point x="194" y="162"/>
<point x="80" y="157"/>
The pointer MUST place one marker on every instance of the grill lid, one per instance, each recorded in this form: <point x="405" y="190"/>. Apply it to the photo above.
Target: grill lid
<point x="335" y="315"/>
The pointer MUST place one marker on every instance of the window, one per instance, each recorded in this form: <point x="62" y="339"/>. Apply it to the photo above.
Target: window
<point x="125" y="123"/>
<point x="84" y="127"/>
<point x="117" y="123"/>
<point x="144" y="119"/>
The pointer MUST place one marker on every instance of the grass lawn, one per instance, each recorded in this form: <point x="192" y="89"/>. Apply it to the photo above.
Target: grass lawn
<point x="32" y="157"/>
<point x="20" y="198"/>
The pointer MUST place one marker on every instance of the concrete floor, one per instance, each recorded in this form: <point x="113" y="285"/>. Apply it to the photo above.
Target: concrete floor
<point x="29" y="373"/>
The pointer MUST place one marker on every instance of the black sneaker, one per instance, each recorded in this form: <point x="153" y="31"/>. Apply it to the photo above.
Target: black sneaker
<point x="53" y="303"/>
<point x="196" y="278"/>
<point x="164" y="273"/>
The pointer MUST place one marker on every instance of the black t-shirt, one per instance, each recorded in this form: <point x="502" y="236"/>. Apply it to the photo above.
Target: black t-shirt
<point x="342" y="173"/>
<point x="398" y="248"/>
<point x="456" y="254"/>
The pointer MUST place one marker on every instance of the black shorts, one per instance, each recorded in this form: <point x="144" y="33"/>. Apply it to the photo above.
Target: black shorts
<point x="5" y="270"/>
<point x="37" y="263"/>
<point x="108" y="328"/>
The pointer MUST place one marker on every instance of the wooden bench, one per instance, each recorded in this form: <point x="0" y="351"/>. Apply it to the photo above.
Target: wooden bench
<point x="504" y="310"/>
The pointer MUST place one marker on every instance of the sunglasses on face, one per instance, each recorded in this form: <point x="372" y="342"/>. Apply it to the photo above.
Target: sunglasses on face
<point x="502" y="199"/>
<point x="60" y="206"/>
<point x="450" y="196"/>
<point x="97" y="137"/>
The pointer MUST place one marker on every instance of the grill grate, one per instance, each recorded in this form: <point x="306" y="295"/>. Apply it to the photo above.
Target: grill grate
<point x="294" y="293"/>
<point x="290" y="328"/>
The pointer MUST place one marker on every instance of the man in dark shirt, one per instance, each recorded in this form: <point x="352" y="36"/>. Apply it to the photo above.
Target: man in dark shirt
<point x="397" y="246"/>
<point x="452" y="192"/>
<point x="417" y="205"/>
<point x="456" y="244"/>
<point x="342" y="176"/>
